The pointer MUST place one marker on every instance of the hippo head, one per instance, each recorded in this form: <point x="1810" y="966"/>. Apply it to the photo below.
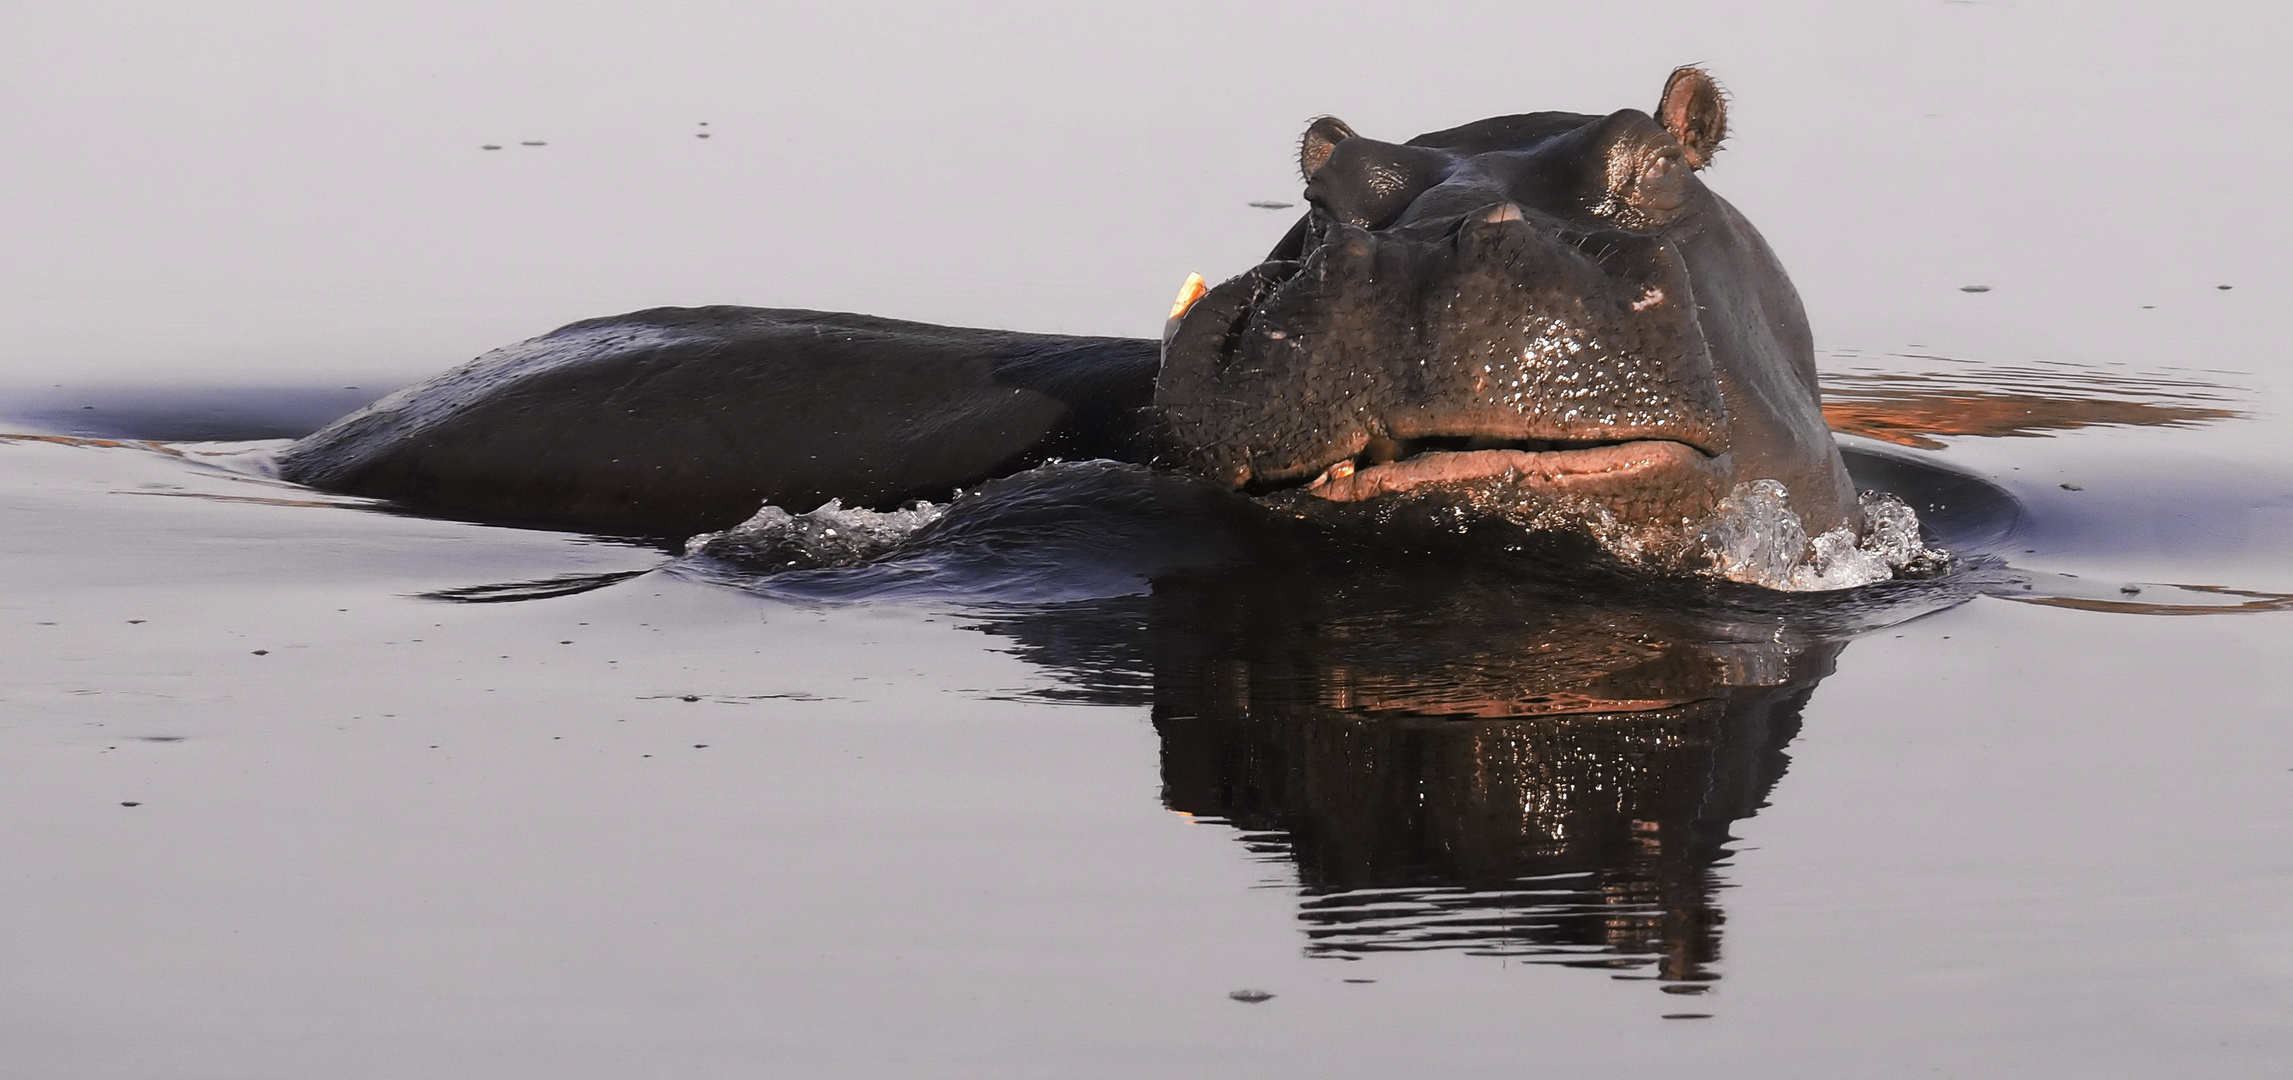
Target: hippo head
<point x="1545" y="318"/>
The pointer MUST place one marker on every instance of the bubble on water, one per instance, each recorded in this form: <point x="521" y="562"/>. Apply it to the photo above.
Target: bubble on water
<point x="1755" y="538"/>
<point x="828" y="536"/>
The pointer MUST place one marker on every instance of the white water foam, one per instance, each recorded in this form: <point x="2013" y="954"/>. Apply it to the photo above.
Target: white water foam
<point x="827" y="536"/>
<point x="1755" y="538"/>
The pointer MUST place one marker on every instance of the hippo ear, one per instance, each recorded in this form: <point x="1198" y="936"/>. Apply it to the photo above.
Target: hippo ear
<point x="1322" y="136"/>
<point x="1695" y="111"/>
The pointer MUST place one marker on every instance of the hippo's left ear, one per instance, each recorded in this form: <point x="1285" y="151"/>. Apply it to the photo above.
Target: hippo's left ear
<point x="1695" y="111"/>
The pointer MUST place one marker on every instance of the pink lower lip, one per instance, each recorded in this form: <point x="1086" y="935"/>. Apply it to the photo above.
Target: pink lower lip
<point x="1554" y="470"/>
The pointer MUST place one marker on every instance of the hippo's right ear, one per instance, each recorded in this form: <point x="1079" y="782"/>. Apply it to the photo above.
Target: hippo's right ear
<point x="1322" y="136"/>
<point x="1695" y="111"/>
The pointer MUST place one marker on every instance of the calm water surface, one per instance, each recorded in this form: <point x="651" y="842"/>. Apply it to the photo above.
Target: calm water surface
<point x="1034" y="799"/>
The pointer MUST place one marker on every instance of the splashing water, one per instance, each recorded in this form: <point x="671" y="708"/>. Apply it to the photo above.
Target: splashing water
<point x="1755" y="538"/>
<point x="827" y="536"/>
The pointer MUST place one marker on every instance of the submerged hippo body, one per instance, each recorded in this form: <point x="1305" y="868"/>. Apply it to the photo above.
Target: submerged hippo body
<point x="1530" y="316"/>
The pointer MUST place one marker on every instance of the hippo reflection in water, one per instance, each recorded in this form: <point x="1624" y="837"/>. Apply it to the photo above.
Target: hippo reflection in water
<point x="1456" y="761"/>
<point x="1544" y="318"/>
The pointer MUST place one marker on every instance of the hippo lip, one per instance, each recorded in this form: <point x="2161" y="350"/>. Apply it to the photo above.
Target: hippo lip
<point x="1554" y="467"/>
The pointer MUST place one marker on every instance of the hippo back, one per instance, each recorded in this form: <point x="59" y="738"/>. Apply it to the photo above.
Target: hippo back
<point x="678" y="420"/>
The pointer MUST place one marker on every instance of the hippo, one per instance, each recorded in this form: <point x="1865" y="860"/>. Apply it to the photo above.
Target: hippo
<point x="1544" y="318"/>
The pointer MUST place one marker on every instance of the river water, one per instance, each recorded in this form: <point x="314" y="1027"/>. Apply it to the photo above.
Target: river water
<point x="292" y="784"/>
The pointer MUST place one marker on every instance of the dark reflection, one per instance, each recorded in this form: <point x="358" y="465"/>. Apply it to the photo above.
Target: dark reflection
<point x="1479" y="742"/>
<point x="1452" y="758"/>
<point x="539" y="589"/>
<point x="1470" y="768"/>
<point x="2068" y="591"/>
<point x="181" y="413"/>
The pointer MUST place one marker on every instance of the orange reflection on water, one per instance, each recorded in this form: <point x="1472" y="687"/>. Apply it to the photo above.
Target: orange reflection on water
<point x="1954" y="397"/>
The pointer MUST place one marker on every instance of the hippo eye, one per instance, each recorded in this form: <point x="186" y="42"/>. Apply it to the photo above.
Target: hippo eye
<point x="1648" y="188"/>
<point x="1368" y="183"/>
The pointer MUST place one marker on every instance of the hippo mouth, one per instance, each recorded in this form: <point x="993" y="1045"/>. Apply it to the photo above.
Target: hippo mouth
<point x="1553" y="468"/>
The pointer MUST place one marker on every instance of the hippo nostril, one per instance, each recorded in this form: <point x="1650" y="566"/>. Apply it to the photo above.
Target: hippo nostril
<point x="1503" y="212"/>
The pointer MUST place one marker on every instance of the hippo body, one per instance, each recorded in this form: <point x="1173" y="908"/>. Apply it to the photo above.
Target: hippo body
<point x="680" y="420"/>
<point x="1544" y="318"/>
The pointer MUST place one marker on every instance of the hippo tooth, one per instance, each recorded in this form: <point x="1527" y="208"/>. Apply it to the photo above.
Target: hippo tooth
<point x="1337" y="472"/>
<point x="1193" y="290"/>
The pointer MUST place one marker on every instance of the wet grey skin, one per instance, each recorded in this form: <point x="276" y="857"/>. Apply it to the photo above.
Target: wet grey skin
<point x="675" y="421"/>
<point x="1530" y="313"/>
<point x="1534" y="312"/>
